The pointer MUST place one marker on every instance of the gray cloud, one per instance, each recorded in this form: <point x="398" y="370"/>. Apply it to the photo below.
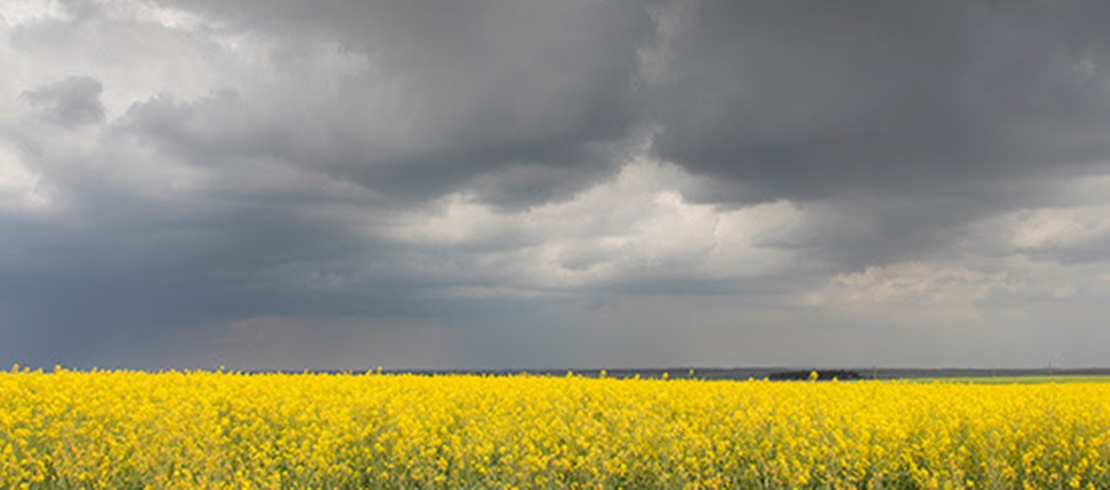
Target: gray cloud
<point x="443" y="95"/>
<point x="808" y="100"/>
<point x="73" y="101"/>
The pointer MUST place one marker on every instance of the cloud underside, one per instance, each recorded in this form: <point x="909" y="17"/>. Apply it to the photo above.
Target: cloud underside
<point x="238" y="177"/>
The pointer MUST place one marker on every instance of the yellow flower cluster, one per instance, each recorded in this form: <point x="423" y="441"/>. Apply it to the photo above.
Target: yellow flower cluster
<point x="226" y="430"/>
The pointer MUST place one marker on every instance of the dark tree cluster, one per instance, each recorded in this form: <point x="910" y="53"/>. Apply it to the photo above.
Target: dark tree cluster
<point x="822" y="375"/>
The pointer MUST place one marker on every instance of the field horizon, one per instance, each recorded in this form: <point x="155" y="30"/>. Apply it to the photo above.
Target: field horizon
<point x="740" y="373"/>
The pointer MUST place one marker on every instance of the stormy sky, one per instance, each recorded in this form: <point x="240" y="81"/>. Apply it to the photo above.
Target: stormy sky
<point x="342" y="184"/>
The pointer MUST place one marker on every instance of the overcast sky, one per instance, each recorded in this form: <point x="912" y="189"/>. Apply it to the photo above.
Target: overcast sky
<point x="554" y="183"/>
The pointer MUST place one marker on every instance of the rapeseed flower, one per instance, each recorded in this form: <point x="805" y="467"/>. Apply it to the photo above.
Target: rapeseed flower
<point x="230" y="430"/>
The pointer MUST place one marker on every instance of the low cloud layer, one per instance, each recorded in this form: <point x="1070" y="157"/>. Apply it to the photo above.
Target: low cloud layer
<point x="540" y="184"/>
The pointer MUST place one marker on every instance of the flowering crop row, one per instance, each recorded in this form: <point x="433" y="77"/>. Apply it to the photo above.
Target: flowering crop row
<point x="225" y="430"/>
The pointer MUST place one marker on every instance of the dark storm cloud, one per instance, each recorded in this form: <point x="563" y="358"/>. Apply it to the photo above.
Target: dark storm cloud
<point x="452" y="93"/>
<point x="917" y="117"/>
<point x="73" y="101"/>
<point x="809" y="99"/>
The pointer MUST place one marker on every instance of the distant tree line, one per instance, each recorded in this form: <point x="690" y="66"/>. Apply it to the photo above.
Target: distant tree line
<point x="822" y="375"/>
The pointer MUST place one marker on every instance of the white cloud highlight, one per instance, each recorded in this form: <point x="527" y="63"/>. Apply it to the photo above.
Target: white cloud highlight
<point x="20" y="189"/>
<point x="637" y="227"/>
<point x="1060" y="228"/>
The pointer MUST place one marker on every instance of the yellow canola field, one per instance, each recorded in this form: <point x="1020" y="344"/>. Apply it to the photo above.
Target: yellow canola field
<point x="226" y="430"/>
